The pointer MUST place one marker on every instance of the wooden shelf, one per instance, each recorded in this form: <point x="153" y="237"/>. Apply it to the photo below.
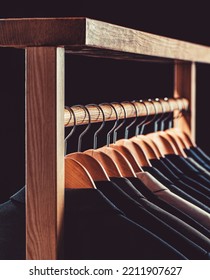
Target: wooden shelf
<point x="96" y="38"/>
<point x="46" y="40"/>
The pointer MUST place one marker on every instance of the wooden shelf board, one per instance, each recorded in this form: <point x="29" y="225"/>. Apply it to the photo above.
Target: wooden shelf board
<point x="94" y="35"/>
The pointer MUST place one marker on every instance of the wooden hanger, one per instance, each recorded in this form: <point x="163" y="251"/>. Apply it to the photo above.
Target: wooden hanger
<point x="96" y="170"/>
<point x="77" y="176"/>
<point x="135" y="150"/>
<point x="163" y="144"/>
<point x="106" y="161"/>
<point x="133" y="153"/>
<point x="148" y="146"/>
<point x="130" y="156"/>
<point x="120" y="160"/>
<point x="124" y="165"/>
<point x="183" y="136"/>
<point x="177" y="141"/>
<point x="94" y="167"/>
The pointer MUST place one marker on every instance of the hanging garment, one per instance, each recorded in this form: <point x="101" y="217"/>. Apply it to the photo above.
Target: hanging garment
<point x="176" y="223"/>
<point x="200" y="153"/>
<point x="181" y="186"/>
<point x="165" y="194"/>
<point x="198" y="156"/>
<point x="12" y="228"/>
<point x="137" y="213"/>
<point x="140" y="186"/>
<point x="94" y="229"/>
<point x="198" y="166"/>
<point x="178" y="188"/>
<point x="189" y="170"/>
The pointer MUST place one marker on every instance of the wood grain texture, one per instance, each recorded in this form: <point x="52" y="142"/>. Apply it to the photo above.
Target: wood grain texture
<point x="113" y="37"/>
<point x="94" y="167"/>
<point x="44" y="151"/>
<point x="107" y="162"/>
<point x="77" y="176"/>
<point x="29" y="32"/>
<point x="97" y="38"/>
<point x="96" y="115"/>
<point x="123" y="164"/>
<point x="185" y="86"/>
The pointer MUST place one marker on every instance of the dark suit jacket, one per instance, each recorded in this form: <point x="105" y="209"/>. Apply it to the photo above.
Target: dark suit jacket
<point x="199" y="156"/>
<point x="94" y="229"/>
<point x="136" y="212"/>
<point x="179" y="187"/>
<point x="176" y="223"/>
<point x="139" y="185"/>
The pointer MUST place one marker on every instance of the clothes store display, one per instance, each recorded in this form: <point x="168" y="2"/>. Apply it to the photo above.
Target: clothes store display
<point x="161" y="213"/>
<point x="97" y="227"/>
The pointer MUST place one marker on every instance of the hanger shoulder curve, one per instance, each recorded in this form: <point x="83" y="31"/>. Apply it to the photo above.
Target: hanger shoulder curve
<point x="128" y="155"/>
<point x="107" y="162"/>
<point x="96" y="170"/>
<point x="162" y="143"/>
<point x="136" y="151"/>
<point x="150" y="151"/>
<point x="177" y="141"/>
<point x="77" y="176"/>
<point x="125" y="167"/>
<point x="186" y="139"/>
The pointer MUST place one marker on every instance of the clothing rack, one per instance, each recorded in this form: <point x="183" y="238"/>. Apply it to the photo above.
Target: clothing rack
<point x="132" y="109"/>
<point x="46" y="41"/>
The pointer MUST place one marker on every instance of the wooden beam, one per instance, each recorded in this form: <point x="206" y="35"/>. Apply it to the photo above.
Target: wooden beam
<point x="30" y="32"/>
<point x="185" y="86"/>
<point x="44" y="151"/>
<point x="97" y="38"/>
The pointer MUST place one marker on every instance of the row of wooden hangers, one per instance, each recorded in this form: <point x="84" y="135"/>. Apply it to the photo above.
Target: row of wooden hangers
<point x="125" y="157"/>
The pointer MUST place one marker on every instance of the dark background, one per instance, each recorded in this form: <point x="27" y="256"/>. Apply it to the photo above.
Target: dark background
<point x="91" y="80"/>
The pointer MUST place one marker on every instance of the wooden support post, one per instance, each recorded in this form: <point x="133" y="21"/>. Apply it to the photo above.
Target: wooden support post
<point x="44" y="151"/>
<point x="185" y="86"/>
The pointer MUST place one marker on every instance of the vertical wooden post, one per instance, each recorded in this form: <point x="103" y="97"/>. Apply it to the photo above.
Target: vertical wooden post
<point x="185" y="86"/>
<point x="44" y="151"/>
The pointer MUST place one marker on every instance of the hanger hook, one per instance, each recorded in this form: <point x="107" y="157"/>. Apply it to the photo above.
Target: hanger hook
<point x="162" y="114"/>
<point x="144" y="121"/>
<point x="150" y="121"/>
<point x="155" y="119"/>
<point x="72" y="130"/>
<point x="162" y="128"/>
<point x="170" y="124"/>
<point x="115" y="124"/>
<point x="95" y="136"/>
<point x="86" y="129"/>
<point x="121" y="124"/>
<point x="131" y="124"/>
